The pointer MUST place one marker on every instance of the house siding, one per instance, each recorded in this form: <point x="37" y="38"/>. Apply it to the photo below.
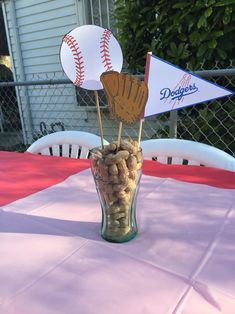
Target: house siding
<point x="35" y="46"/>
<point x="41" y="26"/>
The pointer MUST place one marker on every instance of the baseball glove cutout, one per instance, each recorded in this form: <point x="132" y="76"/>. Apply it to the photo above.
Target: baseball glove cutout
<point x="126" y="95"/>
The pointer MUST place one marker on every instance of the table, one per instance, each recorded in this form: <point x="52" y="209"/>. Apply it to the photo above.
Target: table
<point x="53" y="259"/>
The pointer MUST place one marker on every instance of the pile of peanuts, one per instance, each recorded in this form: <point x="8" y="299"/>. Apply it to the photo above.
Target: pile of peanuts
<point x="116" y="172"/>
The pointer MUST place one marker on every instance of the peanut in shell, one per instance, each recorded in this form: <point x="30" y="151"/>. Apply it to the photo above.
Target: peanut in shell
<point x="131" y="163"/>
<point x="126" y="145"/>
<point x="113" y="169"/>
<point x="122" y="168"/>
<point x="116" y="158"/>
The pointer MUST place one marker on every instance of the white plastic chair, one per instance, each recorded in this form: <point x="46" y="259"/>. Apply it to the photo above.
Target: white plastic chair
<point x="177" y="151"/>
<point x="73" y="144"/>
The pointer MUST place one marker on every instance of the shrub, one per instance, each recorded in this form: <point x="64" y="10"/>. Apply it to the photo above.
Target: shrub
<point x="190" y="34"/>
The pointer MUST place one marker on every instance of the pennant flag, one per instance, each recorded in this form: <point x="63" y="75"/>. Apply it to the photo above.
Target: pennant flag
<point x="172" y="88"/>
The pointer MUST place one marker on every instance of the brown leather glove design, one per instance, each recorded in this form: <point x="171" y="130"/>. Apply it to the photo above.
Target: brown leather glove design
<point x="126" y="95"/>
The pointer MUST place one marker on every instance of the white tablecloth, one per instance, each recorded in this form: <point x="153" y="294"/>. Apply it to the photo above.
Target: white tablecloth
<point x="54" y="261"/>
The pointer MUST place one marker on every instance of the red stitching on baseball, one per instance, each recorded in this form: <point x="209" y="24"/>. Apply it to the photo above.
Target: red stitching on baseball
<point x="71" y="42"/>
<point x="104" y="46"/>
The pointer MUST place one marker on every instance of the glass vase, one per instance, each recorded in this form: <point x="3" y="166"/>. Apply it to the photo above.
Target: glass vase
<point x="117" y="184"/>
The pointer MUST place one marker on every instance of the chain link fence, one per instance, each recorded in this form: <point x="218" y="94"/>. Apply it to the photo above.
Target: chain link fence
<point x="50" y="103"/>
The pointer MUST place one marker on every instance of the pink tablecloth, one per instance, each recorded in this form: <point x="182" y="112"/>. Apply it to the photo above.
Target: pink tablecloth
<point x="53" y="259"/>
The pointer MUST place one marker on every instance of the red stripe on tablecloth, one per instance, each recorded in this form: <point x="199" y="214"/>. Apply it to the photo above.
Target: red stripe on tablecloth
<point x="24" y="174"/>
<point x="195" y="174"/>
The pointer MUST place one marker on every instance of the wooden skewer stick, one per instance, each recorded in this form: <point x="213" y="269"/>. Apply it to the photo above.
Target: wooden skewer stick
<point x="142" y="119"/>
<point x="140" y="132"/>
<point x="99" y="118"/>
<point x="119" y="134"/>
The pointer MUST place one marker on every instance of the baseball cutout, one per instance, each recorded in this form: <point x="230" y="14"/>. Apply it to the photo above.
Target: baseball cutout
<point x="88" y="51"/>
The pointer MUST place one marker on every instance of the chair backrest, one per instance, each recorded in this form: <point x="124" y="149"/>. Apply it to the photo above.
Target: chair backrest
<point x="73" y="144"/>
<point x="177" y="151"/>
